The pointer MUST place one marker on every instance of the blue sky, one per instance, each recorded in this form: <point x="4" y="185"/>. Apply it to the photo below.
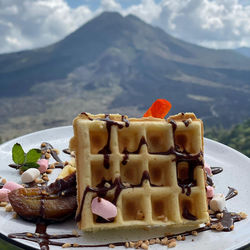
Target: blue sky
<point x="94" y="4"/>
<point x="220" y="24"/>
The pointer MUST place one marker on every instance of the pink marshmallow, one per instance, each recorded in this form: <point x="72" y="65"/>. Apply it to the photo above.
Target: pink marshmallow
<point x="44" y="163"/>
<point x="208" y="169"/>
<point x="103" y="208"/>
<point x="12" y="185"/>
<point x="4" y="194"/>
<point x="210" y="192"/>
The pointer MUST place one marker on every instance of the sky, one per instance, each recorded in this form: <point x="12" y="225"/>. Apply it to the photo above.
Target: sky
<point x="219" y="24"/>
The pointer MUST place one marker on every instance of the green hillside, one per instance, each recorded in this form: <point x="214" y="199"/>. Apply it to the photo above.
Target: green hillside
<point x="238" y="137"/>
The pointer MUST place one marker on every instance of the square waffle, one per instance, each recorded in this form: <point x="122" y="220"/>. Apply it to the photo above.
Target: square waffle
<point x="150" y="168"/>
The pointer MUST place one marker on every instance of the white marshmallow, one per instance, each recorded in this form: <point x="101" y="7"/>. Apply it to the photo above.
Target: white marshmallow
<point x="30" y="175"/>
<point x="218" y="203"/>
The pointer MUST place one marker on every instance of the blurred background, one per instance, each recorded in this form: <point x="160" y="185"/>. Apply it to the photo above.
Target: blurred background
<point x="62" y="57"/>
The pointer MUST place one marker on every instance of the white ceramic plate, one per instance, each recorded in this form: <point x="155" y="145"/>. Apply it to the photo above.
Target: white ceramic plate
<point x="236" y="174"/>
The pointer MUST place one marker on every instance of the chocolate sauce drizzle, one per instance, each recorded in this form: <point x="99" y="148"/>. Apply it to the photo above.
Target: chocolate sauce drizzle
<point x="187" y="215"/>
<point x="66" y="151"/>
<point x="106" y="151"/>
<point x="232" y="192"/>
<point x="137" y="151"/>
<point x="45" y="146"/>
<point x="186" y="122"/>
<point x="216" y="170"/>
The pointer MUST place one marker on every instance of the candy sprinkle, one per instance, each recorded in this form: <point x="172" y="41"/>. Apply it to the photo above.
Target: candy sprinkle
<point x="158" y="109"/>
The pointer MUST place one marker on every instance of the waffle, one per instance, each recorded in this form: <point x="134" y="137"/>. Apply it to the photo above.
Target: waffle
<point x="150" y="168"/>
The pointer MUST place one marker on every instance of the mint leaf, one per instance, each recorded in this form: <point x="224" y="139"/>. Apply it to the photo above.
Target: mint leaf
<point x="31" y="165"/>
<point x="18" y="154"/>
<point x="33" y="155"/>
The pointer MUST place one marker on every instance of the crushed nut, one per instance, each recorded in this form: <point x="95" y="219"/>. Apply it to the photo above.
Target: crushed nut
<point x="8" y="208"/>
<point x="194" y="233"/>
<point x="219" y="215"/>
<point x="157" y="241"/>
<point x="179" y="237"/>
<point x="172" y="243"/>
<point x="144" y="246"/>
<point x="138" y="244"/>
<point x="48" y="171"/>
<point x="3" y="181"/>
<point x="52" y="166"/>
<point x="47" y="155"/>
<point x="45" y="178"/>
<point x="139" y="215"/>
<point x="56" y="151"/>
<point x="39" y="181"/>
<point x="208" y="224"/>
<point x="66" y="245"/>
<point x="111" y="246"/>
<point x="152" y="241"/>
<point x="107" y="185"/>
<point x="210" y="211"/>
<point x="243" y="215"/>
<point x="217" y="226"/>
<point x="164" y="241"/>
<point x="3" y="204"/>
<point x="131" y="244"/>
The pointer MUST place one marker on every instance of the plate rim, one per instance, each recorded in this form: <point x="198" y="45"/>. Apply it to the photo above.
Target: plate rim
<point x="19" y="244"/>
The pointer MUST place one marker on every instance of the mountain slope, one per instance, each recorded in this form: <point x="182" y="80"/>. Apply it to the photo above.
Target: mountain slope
<point x="120" y="64"/>
<point x="245" y="51"/>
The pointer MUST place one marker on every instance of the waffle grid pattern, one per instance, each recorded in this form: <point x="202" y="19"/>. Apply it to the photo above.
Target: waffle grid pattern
<point x="159" y="204"/>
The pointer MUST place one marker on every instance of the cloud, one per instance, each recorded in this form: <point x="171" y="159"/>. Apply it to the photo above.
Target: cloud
<point x="218" y="24"/>
<point x="30" y="24"/>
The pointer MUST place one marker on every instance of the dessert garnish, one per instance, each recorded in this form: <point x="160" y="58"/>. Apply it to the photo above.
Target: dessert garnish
<point x="46" y="204"/>
<point x="103" y="208"/>
<point x="158" y="109"/>
<point x="24" y="161"/>
<point x="219" y="221"/>
<point x="55" y="202"/>
<point x="30" y="175"/>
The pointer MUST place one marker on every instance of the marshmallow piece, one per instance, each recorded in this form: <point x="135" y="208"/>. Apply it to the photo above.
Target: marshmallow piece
<point x="12" y="185"/>
<point x="4" y="194"/>
<point x="210" y="192"/>
<point x="208" y="169"/>
<point x="218" y="203"/>
<point x="103" y="208"/>
<point x="44" y="163"/>
<point x="30" y="175"/>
